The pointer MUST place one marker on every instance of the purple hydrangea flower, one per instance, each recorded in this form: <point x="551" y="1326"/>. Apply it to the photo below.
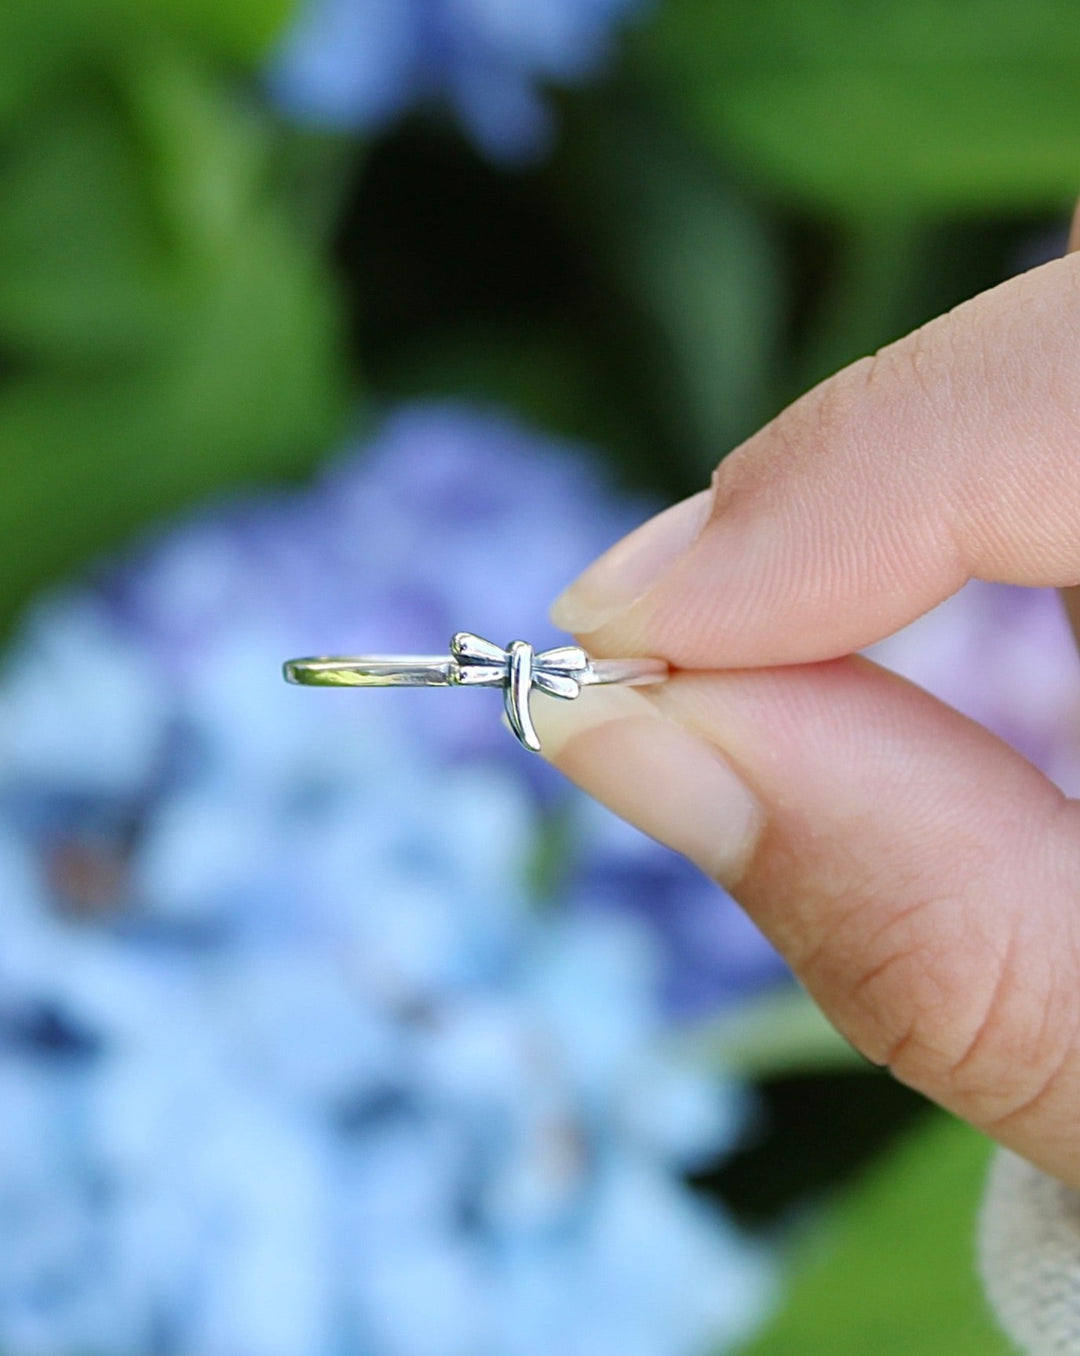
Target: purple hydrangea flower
<point x="360" y="63"/>
<point x="717" y="956"/>
<point x="298" y="1054"/>
<point x="1005" y="657"/>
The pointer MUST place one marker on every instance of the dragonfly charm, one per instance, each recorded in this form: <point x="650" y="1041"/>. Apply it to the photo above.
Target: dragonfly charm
<point x="517" y="670"/>
<point x="474" y="662"/>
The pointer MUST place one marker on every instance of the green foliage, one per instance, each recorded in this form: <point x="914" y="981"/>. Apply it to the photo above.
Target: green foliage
<point x="779" y="1031"/>
<point x="240" y="29"/>
<point x="911" y="106"/>
<point x="698" y="265"/>
<point x="43" y="41"/>
<point x="166" y="327"/>
<point x="894" y="1272"/>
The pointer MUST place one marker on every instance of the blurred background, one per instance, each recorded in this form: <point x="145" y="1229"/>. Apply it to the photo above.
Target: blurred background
<point x="332" y="1023"/>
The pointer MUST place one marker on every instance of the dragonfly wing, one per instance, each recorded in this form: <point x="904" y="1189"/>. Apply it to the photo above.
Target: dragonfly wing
<point x="556" y="684"/>
<point x="467" y="648"/>
<point x="479" y="675"/>
<point x="564" y="659"/>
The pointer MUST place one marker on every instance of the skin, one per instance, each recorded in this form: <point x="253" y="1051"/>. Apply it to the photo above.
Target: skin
<point x="921" y="877"/>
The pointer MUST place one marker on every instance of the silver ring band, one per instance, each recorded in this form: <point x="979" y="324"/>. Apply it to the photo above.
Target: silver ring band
<point x="475" y="662"/>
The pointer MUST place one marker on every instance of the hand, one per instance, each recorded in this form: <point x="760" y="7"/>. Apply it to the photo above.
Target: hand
<point x="921" y="877"/>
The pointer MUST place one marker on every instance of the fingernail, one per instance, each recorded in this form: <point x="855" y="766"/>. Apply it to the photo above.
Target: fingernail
<point x="631" y="567"/>
<point x="671" y="783"/>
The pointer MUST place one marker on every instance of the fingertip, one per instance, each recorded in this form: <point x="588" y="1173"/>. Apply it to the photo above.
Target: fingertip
<point x="559" y="723"/>
<point x="631" y="567"/>
<point x="666" y="780"/>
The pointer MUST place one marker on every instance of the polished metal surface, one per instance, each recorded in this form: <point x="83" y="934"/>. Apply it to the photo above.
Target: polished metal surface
<point x="475" y="662"/>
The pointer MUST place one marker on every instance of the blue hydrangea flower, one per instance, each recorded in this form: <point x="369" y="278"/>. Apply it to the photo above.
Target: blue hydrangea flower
<point x="298" y="1054"/>
<point x="360" y="63"/>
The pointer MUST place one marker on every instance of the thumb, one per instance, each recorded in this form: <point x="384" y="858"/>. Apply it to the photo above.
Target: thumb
<point x="949" y="454"/>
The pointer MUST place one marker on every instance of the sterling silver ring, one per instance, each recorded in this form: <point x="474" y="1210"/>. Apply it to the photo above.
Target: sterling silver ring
<point x="474" y="662"/>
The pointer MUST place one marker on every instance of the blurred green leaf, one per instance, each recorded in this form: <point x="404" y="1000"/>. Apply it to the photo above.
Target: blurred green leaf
<point x="241" y="30"/>
<point x="167" y="327"/>
<point x="886" y="282"/>
<point x="778" y="1032"/>
<point x="84" y="270"/>
<point x="545" y="374"/>
<point x="43" y="41"/>
<point x="918" y="106"/>
<point x="699" y="265"/>
<point x="892" y="1272"/>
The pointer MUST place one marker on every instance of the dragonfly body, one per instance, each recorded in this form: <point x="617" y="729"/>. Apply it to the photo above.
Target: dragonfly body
<point x="517" y="670"/>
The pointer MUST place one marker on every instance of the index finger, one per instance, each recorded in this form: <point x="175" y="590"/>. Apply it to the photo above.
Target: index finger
<point x="953" y="453"/>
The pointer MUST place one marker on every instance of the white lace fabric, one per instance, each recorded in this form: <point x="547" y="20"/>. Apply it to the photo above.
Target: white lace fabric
<point x="1029" y="1256"/>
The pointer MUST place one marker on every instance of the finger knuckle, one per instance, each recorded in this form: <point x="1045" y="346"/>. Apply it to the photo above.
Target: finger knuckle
<point x="984" y="1024"/>
<point x="805" y="439"/>
<point x="924" y="363"/>
<point x="828" y="416"/>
